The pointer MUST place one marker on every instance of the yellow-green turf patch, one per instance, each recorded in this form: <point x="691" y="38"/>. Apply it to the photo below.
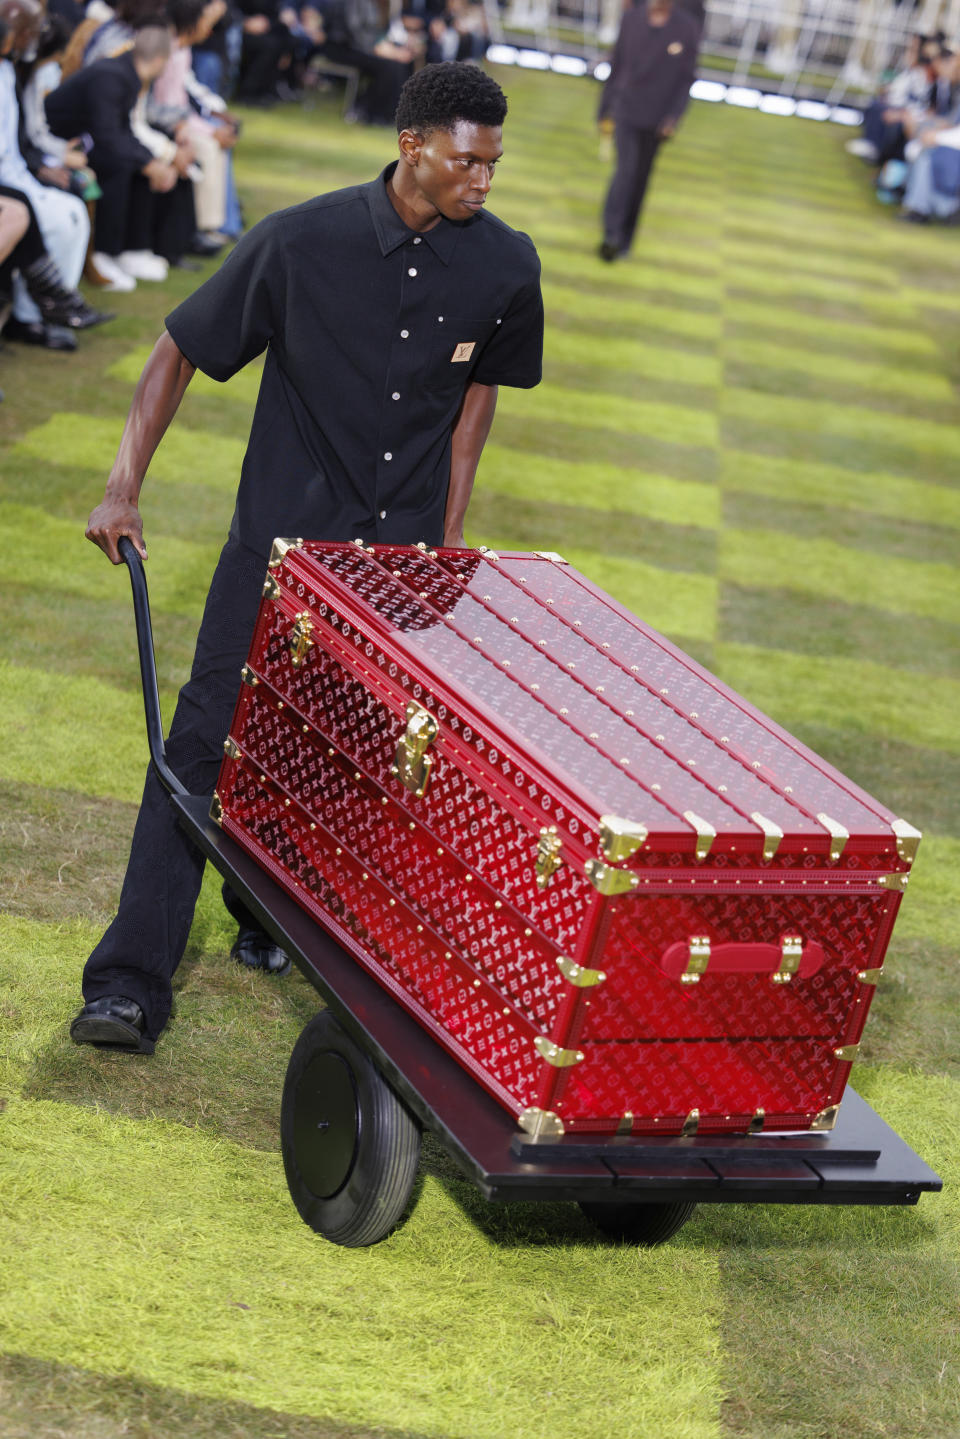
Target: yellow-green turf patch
<point x="811" y="483"/>
<point x="154" y="1250"/>
<point x="91" y="442"/>
<point x="601" y="487"/>
<point x="64" y="562"/>
<point x="763" y="255"/>
<point x="853" y="694"/>
<point x="631" y="417"/>
<point x="72" y="732"/>
<point x="775" y="559"/>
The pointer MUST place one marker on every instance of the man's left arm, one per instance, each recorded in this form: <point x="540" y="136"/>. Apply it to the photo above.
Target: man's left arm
<point x="469" y="435"/>
<point x="513" y="356"/>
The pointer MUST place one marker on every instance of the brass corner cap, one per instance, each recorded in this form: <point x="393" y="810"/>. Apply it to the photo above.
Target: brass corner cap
<point x="620" y="838"/>
<point x="279" y="549"/>
<point x="826" y="1119"/>
<point x="541" y="1123"/>
<point x="908" y="839"/>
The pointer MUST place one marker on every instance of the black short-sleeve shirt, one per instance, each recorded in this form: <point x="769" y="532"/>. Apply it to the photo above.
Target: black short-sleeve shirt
<point x="372" y="333"/>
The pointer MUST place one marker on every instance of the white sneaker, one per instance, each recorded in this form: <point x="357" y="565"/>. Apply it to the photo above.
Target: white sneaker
<point x="143" y="265"/>
<point x="116" y="279"/>
<point x="863" y="149"/>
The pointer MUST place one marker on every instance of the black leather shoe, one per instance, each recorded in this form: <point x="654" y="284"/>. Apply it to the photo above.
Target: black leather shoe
<point x="255" y="949"/>
<point x="51" y="337"/>
<point x="85" y="317"/>
<point x="112" y="1022"/>
<point x="203" y="245"/>
<point x="608" y="252"/>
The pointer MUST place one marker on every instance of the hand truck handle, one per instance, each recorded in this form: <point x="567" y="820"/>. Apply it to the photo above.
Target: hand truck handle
<point x="148" y="666"/>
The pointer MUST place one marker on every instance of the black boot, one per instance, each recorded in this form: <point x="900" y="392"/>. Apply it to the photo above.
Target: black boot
<point x="57" y="304"/>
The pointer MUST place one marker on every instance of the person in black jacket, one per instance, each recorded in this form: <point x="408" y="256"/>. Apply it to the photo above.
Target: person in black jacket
<point x="97" y="101"/>
<point x="651" y="71"/>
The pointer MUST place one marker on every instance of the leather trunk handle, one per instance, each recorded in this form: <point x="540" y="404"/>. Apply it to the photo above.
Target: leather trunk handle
<point x="689" y="960"/>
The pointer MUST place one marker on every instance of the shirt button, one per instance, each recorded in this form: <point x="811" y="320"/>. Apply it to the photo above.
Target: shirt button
<point x="404" y="334"/>
<point x="440" y="318"/>
<point x="499" y="322"/>
<point x="396" y="394"/>
<point x="383" y="514"/>
<point x="387" y="455"/>
<point x="411" y="271"/>
<point x="417" y="240"/>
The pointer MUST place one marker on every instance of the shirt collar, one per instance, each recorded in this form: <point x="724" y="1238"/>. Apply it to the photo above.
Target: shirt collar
<point x="391" y="232"/>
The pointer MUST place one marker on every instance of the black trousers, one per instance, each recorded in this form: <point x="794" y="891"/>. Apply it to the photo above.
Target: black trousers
<point x="131" y="216"/>
<point x="636" y="152"/>
<point x="140" y="952"/>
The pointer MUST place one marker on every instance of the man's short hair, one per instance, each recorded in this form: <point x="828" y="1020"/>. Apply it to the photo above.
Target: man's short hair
<point x="438" y="96"/>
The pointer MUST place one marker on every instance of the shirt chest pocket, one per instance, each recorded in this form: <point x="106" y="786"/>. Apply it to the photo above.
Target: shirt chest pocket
<point x="455" y="347"/>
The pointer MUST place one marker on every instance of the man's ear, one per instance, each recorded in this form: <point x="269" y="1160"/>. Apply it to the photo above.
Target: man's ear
<point x="411" y="143"/>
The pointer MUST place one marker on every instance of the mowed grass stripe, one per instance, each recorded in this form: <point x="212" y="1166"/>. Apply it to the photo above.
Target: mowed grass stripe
<point x="178" y="572"/>
<point x="822" y="625"/>
<point x="829" y="420"/>
<point x="830" y="332"/>
<point x="72" y="732"/>
<point x="449" y="1307"/>
<point x="782" y="362"/>
<point x="242" y="388"/>
<point x="636" y="359"/>
<point x="762" y="256"/>
<point x="617" y="308"/>
<point x="855" y="695"/>
<point x="869" y="533"/>
<point x="676" y="423"/>
<point x="821" y="567"/>
<point x="184" y="455"/>
<point x="835" y="487"/>
<point x="602" y="487"/>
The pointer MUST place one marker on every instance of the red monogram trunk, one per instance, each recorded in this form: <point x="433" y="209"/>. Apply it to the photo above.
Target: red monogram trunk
<point x="624" y="899"/>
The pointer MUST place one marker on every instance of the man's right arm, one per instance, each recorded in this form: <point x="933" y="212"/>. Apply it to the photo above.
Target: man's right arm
<point x="159" y="391"/>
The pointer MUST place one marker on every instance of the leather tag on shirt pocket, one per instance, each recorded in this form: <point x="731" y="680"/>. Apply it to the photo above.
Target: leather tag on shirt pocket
<point x="463" y="351"/>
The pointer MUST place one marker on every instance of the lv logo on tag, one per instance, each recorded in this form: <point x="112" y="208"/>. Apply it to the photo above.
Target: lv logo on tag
<point x="463" y="351"/>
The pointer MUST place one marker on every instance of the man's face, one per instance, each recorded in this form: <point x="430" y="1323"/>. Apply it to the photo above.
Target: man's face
<point x="454" y="168"/>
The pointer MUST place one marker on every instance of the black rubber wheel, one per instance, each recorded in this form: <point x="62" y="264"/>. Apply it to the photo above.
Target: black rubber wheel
<point x="350" y="1147"/>
<point x="643" y="1224"/>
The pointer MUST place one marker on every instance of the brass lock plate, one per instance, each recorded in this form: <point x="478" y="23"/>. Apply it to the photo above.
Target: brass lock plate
<point x="412" y="765"/>
<point x="300" y="639"/>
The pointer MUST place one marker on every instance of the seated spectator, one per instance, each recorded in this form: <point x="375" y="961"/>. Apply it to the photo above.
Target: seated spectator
<point x="177" y="97"/>
<point x="62" y="217"/>
<point x="268" y="51"/>
<point x="22" y="252"/>
<point x="216" y="60"/>
<point x="381" y="63"/>
<point x="141" y="225"/>
<point x="38" y="79"/>
<point x="906" y="91"/>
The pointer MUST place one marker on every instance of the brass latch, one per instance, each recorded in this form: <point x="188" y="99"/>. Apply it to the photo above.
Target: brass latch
<point x="548" y="856"/>
<point x="413" y="765"/>
<point x="299" y="640"/>
<point x="608" y="880"/>
<point x="699" y="952"/>
<point x="791" y="953"/>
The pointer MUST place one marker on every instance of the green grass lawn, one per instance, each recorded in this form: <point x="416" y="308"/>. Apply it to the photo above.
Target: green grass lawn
<point x="748" y="432"/>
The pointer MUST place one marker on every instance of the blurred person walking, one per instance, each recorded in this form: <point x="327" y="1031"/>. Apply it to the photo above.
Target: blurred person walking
<point x="651" y="70"/>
